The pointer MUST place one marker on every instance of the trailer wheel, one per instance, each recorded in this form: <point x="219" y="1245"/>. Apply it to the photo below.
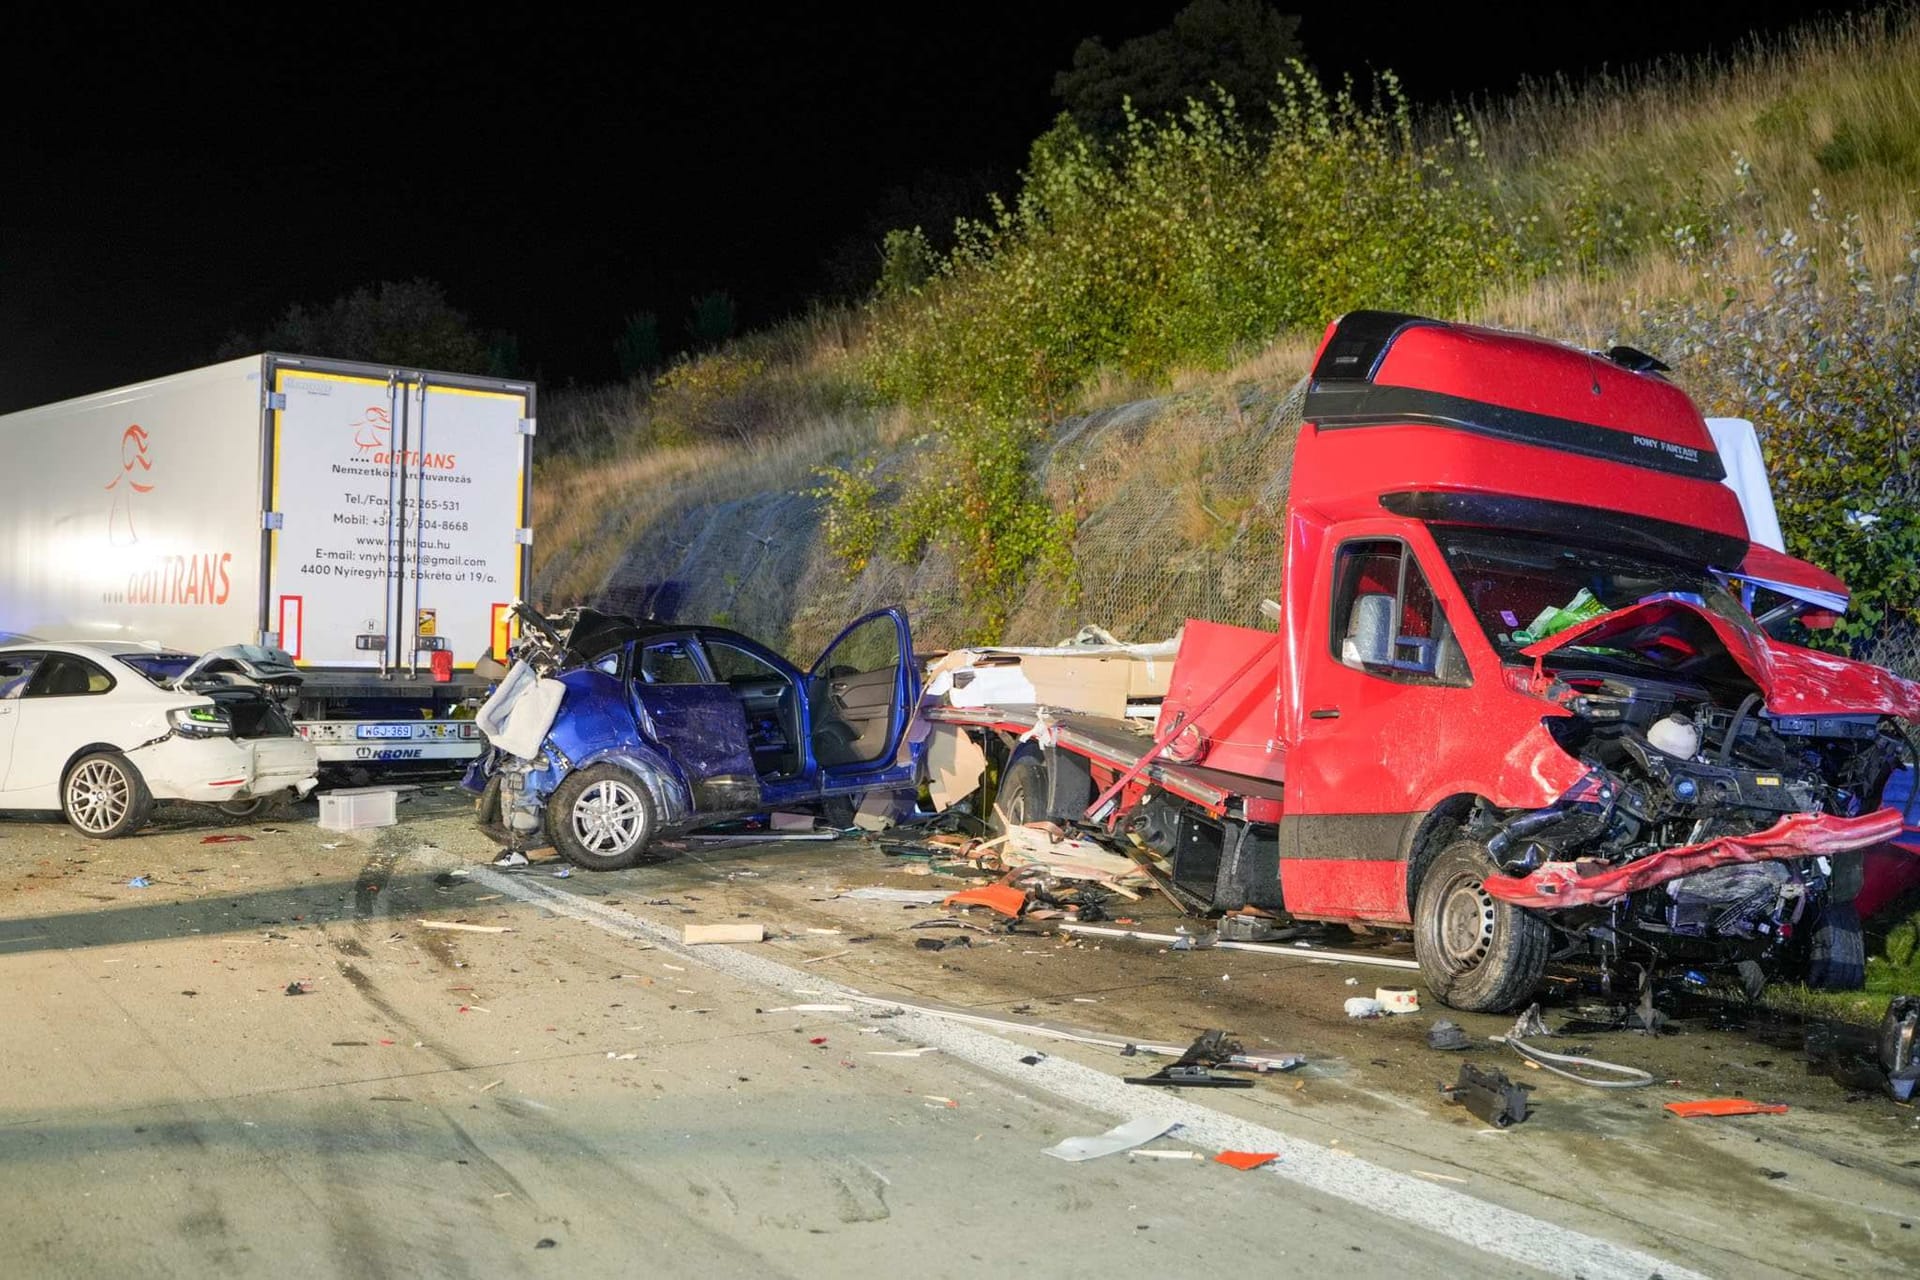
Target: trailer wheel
<point x="1022" y="797"/>
<point x="105" y="797"/>
<point x="601" y="818"/>
<point x="1476" y="952"/>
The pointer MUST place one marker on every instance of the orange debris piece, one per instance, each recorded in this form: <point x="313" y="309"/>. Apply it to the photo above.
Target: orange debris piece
<point x="1244" y="1160"/>
<point x="1725" y="1107"/>
<point x="1002" y="898"/>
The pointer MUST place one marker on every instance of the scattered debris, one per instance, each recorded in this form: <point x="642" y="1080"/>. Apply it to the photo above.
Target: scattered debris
<point x="456" y="926"/>
<point x="1293" y="950"/>
<point x="810" y="1008"/>
<point x="1133" y="1133"/>
<point x="139" y="882"/>
<point x="1631" y="1077"/>
<point x="1900" y="1046"/>
<point x="1006" y="1023"/>
<point x="1489" y="1095"/>
<point x="1245" y="1160"/>
<point x="704" y="933"/>
<point x="546" y="1242"/>
<point x="228" y="838"/>
<point x="562" y="873"/>
<point x="918" y="897"/>
<point x="1725" y="1107"/>
<point x="930" y="944"/>
<point x="780" y="820"/>
<point x="1446" y="1036"/>
<point x="1398" y="999"/>
<point x="1159" y="1153"/>
<point x="902" y="1053"/>
<point x="1364" y="1007"/>
<point x="299" y="988"/>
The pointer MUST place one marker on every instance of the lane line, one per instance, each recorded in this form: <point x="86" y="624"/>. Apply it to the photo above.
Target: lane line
<point x="1504" y="1233"/>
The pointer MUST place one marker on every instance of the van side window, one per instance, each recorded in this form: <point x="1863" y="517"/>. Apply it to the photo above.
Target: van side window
<point x="1386" y="620"/>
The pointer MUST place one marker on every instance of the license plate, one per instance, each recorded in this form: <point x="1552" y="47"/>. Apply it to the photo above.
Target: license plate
<point x="384" y="730"/>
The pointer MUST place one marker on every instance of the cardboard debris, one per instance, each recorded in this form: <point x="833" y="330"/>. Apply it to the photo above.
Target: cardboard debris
<point x="876" y="811"/>
<point x="955" y="764"/>
<point x="703" y="933"/>
<point x="779" y="821"/>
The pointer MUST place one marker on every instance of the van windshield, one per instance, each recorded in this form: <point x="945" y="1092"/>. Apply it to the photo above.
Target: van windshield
<point x="1524" y="589"/>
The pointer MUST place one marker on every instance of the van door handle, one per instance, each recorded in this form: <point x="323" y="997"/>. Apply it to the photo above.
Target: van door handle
<point x="1324" y="713"/>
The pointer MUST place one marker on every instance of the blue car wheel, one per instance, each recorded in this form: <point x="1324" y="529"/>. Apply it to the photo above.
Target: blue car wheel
<point x="601" y="818"/>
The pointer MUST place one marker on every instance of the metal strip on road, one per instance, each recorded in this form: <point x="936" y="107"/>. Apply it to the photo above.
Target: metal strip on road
<point x="1504" y="1233"/>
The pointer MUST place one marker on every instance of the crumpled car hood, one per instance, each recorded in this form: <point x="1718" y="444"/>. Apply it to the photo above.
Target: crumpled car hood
<point x="1793" y="680"/>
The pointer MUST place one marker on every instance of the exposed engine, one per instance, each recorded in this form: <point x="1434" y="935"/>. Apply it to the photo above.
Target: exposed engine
<point x="1672" y="765"/>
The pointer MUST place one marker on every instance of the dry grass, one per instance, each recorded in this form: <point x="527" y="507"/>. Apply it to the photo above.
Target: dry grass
<point x="591" y="509"/>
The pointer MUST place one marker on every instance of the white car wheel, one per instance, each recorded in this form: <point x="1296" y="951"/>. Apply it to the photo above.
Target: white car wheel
<point x="105" y="796"/>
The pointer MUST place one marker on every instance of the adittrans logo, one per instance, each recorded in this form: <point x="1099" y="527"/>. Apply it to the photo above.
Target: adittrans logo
<point x="373" y="440"/>
<point x="203" y="578"/>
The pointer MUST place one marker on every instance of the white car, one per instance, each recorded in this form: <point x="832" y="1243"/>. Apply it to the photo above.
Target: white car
<point x="100" y="732"/>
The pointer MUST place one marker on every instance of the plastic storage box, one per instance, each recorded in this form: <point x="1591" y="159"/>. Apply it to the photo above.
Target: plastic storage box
<point x="357" y="809"/>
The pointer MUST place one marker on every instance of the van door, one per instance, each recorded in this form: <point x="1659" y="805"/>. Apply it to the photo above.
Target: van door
<point x="1387" y="695"/>
<point x="856" y="704"/>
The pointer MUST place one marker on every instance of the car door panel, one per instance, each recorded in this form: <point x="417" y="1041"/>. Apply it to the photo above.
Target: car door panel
<point x="703" y="730"/>
<point x="59" y="713"/>
<point x="15" y="670"/>
<point x="857" y="702"/>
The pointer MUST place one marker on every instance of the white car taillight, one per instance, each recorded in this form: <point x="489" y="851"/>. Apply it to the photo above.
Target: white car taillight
<point x="204" y="720"/>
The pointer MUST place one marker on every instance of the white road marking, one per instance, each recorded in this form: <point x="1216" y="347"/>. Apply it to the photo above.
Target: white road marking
<point x="1504" y="1233"/>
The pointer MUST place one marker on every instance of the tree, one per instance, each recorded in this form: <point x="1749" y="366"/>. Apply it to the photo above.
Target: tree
<point x="409" y="324"/>
<point x="1240" y="45"/>
<point x="638" y="345"/>
<point x="710" y="323"/>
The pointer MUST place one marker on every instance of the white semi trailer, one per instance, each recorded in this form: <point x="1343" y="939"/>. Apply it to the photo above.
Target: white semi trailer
<point x="371" y="522"/>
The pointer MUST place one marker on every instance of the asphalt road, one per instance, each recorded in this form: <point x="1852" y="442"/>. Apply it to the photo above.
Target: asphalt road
<point x="583" y="1094"/>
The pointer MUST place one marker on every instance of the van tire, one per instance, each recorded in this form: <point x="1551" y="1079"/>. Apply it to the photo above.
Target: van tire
<point x="1476" y="952"/>
<point x="104" y="796"/>
<point x="1022" y="794"/>
<point x="601" y="818"/>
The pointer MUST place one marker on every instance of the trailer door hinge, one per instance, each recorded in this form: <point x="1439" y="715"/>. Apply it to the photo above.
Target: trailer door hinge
<point x="273" y="519"/>
<point x="276" y="399"/>
<point x="527" y="426"/>
<point x="523" y="537"/>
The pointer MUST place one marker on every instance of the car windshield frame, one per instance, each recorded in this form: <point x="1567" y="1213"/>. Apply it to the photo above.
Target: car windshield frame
<point x="1571" y="566"/>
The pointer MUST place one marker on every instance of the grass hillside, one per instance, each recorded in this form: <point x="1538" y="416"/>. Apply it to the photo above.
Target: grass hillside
<point x="1077" y="415"/>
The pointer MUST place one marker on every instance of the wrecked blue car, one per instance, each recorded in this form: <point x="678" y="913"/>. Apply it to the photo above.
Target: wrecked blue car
<point x="609" y="732"/>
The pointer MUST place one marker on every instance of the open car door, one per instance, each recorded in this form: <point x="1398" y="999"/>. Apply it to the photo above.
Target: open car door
<point x="856" y="704"/>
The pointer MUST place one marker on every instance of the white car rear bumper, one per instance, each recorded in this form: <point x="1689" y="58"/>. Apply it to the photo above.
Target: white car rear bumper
<point x="214" y="769"/>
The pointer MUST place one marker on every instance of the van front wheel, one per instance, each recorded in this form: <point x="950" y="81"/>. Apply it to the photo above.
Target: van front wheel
<point x="1476" y="952"/>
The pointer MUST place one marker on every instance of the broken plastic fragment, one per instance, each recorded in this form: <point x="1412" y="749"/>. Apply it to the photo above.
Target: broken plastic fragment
<point x="1124" y="1137"/>
<point x="1244" y="1160"/>
<point x="1725" y="1107"/>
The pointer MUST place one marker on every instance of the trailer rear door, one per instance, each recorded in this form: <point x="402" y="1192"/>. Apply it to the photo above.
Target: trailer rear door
<point x="400" y="504"/>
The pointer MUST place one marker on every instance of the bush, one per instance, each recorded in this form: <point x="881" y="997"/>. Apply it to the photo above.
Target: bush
<point x="1187" y="239"/>
<point x="1799" y="336"/>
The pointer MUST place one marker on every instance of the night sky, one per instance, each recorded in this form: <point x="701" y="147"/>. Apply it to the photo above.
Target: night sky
<point x="167" y="178"/>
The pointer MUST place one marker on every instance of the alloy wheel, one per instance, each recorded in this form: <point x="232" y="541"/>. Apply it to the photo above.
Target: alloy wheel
<point x="608" y="818"/>
<point x="98" y="794"/>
